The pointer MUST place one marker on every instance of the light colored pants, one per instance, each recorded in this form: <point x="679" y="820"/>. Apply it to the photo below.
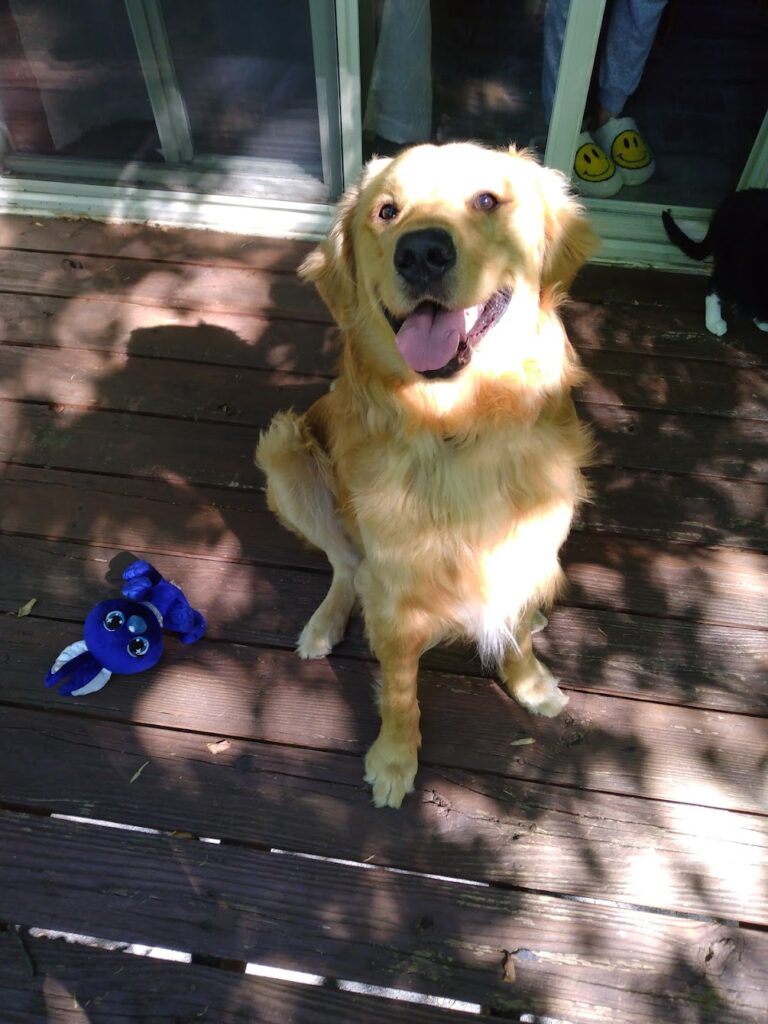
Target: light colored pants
<point x="631" y="29"/>
<point x="400" y="96"/>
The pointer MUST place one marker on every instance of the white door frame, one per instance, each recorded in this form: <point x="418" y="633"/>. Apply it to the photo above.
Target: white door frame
<point x="170" y="111"/>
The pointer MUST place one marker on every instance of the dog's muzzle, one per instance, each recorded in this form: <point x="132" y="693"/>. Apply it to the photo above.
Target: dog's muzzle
<point x="437" y="342"/>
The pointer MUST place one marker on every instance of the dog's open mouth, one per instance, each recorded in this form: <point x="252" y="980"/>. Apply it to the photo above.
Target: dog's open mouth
<point x="438" y="342"/>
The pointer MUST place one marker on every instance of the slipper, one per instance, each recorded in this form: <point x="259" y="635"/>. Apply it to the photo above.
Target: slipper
<point x="627" y="148"/>
<point x="593" y="171"/>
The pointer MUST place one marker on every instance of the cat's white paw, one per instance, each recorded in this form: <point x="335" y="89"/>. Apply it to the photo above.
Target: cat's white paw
<point x="718" y="327"/>
<point x="713" y="315"/>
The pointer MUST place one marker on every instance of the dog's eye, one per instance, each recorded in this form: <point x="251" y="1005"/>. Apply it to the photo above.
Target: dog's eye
<point x="388" y="211"/>
<point x="485" y="201"/>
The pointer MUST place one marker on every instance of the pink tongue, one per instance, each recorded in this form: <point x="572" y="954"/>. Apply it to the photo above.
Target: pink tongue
<point x="430" y="336"/>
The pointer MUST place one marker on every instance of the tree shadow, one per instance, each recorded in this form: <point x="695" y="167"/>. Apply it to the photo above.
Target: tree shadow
<point x="159" y="461"/>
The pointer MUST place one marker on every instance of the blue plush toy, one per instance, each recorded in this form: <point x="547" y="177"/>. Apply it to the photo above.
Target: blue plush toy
<point x="125" y="635"/>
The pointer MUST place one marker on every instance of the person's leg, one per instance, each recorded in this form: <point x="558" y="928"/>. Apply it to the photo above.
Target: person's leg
<point x="631" y="31"/>
<point x="400" y="96"/>
<point x="555" y="17"/>
<point x="593" y="171"/>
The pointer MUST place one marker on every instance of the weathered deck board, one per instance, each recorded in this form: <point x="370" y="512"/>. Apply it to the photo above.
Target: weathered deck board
<point x="221" y="454"/>
<point x="669" y="333"/>
<point x="611" y="744"/>
<point x="682" y="509"/>
<point x="83" y="377"/>
<point x="139" y="242"/>
<point x="720" y="587"/>
<point x="71" y="981"/>
<point x="720" y="668"/>
<point x="457" y="823"/>
<point x="650" y="506"/>
<point x="216" y="393"/>
<point x="572" y="960"/>
<point x="172" y="285"/>
<point x="229" y="339"/>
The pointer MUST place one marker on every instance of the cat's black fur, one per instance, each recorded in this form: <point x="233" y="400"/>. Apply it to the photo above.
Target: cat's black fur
<point x="737" y="240"/>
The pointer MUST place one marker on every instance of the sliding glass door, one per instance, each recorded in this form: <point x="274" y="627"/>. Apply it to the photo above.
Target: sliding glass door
<point x="253" y="115"/>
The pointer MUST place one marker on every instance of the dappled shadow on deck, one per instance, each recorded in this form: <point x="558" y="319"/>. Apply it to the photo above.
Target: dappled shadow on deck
<point x="130" y="418"/>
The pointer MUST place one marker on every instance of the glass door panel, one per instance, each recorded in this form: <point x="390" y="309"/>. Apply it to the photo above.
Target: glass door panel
<point x="240" y="98"/>
<point x="249" y="78"/>
<point x="701" y="99"/>
<point x="692" y="75"/>
<point x="71" y="84"/>
<point x="453" y="70"/>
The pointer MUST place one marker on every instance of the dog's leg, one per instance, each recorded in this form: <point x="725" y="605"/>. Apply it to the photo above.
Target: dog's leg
<point x="392" y="761"/>
<point x="528" y="681"/>
<point x="299" y="493"/>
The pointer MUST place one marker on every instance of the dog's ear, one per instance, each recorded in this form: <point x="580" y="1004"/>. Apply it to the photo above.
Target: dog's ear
<point x="569" y="239"/>
<point x="331" y="266"/>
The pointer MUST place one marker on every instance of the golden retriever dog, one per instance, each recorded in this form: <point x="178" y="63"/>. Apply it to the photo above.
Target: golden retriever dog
<point x="441" y="472"/>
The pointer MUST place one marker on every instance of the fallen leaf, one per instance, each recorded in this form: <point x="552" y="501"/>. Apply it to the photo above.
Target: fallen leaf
<point x="509" y="974"/>
<point x="138" y="771"/>
<point x="26" y="608"/>
<point x="524" y="741"/>
<point x="219" y="746"/>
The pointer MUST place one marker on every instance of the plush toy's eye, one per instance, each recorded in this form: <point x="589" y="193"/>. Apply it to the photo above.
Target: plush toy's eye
<point x="388" y="211"/>
<point x="138" y="647"/>
<point x="113" y="620"/>
<point x="485" y="201"/>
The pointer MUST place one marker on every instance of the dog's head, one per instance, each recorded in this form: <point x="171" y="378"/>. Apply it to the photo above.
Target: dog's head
<point x="430" y="249"/>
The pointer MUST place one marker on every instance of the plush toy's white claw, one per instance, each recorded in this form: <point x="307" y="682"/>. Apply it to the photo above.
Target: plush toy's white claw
<point x="95" y="684"/>
<point x="76" y="665"/>
<point x="70" y="652"/>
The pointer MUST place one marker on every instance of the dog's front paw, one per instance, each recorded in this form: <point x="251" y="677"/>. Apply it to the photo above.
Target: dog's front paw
<point x="326" y="627"/>
<point x="320" y="635"/>
<point x="314" y="642"/>
<point x="537" y="690"/>
<point x="390" y="770"/>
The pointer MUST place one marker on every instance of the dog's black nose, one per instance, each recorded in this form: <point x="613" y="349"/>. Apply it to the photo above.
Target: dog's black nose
<point x="422" y="257"/>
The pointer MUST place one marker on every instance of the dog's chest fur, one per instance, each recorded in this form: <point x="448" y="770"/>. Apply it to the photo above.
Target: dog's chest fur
<point x="446" y="521"/>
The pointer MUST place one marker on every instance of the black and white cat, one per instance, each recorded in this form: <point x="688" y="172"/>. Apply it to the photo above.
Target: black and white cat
<point x="737" y="241"/>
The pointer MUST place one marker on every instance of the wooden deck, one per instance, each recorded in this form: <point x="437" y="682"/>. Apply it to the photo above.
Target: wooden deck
<point x="609" y="865"/>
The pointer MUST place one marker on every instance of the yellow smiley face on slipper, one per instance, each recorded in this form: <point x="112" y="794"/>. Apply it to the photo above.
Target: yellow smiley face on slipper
<point x="630" y="150"/>
<point x="592" y="164"/>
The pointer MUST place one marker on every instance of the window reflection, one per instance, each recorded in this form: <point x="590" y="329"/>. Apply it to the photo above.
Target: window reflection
<point x="452" y="70"/>
<point x="246" y="73"/>
<point x="71" y="83"/>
